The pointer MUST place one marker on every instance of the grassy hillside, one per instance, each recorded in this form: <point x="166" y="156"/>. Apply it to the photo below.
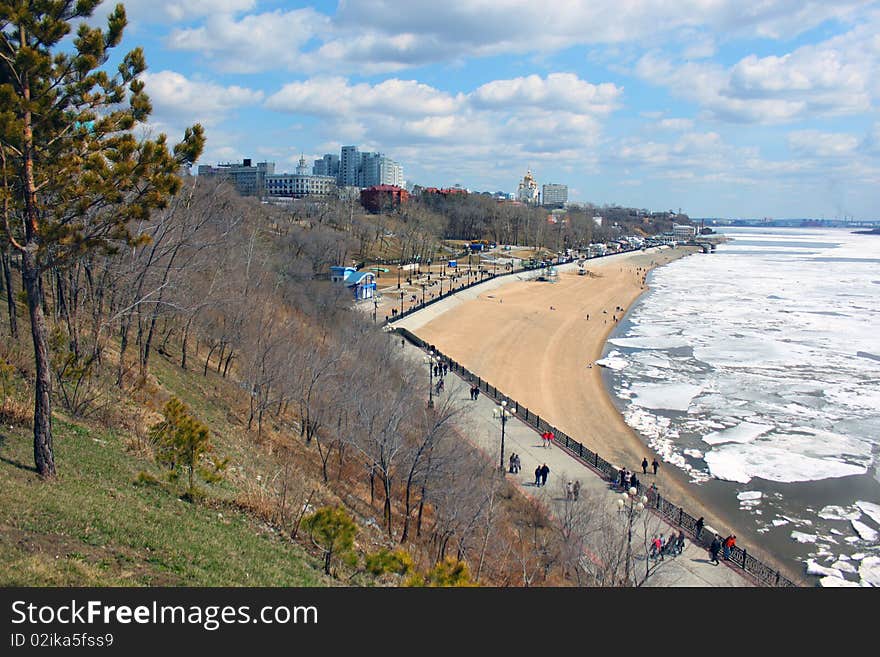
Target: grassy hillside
<point x="103" y="523"/>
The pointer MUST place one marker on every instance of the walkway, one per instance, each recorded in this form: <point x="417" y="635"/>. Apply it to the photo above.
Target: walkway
<point x="691" y="568"/>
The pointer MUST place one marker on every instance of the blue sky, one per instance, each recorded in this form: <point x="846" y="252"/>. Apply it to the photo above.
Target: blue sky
<point x="723" y="108"/>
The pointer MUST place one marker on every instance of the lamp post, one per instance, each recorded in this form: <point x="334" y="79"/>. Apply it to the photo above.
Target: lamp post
<point x="504" y="414"/>
<point x="375" y="305"/>
<point x="430" y="360"/>
<point x="401" y="301"/>
<point x="399" y="267"/>
<point x="632" y="504"/>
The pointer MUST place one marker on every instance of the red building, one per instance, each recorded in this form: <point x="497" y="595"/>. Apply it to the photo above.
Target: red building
<point x="383" y="197"/>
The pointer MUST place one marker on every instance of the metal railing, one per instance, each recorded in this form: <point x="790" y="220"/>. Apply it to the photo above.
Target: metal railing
<point x="675" y="515"/>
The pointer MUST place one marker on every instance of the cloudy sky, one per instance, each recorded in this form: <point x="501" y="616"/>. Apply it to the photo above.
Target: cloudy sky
<point x="723" y="108"/>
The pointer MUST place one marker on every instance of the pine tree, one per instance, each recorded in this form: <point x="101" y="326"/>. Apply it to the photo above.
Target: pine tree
<point x="333" y="531"/>
<point x="182" y="442"/>
<point x="74" y="175"/>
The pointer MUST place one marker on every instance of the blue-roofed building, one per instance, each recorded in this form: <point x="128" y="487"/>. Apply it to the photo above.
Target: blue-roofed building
<point x="361" y="283"/>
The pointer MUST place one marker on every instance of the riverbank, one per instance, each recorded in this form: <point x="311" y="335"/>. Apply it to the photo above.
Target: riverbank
<point x="538" y="342"/>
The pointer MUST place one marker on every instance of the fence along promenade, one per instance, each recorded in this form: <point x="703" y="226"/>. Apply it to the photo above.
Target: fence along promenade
<point x="739" y="556"/>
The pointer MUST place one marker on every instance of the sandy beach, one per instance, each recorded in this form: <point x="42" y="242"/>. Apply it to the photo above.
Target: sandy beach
<point x="536" y="341"/>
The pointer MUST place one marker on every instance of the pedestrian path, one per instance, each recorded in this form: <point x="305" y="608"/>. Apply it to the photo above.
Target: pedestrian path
<point x="476" y="422"/>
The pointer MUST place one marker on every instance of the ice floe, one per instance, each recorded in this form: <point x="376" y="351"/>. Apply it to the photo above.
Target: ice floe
<point x="844" y="567"/>
<point x="836" y="582"/>
<point x="740" y="463"/>
<point x="801" y="537"/>
<point x="613" y="361"/>
<point x="869" y="570"/>
<point x="741" y="433"/>
<point x="839" y="513"/>
<point x="665" y="396"/>
<point x="870" y="509"/>
<point x="815" y="569"/>
<point x="651" y="342"/>
<point x="864" y="532"/>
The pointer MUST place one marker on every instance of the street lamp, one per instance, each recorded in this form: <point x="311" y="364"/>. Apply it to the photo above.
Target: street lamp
<point x="375" y="305"/>
<point x="399" y="267"/>
<point x="430" y="360"/>
<point x="401" y="301"/>
<point x="632" y="504"/>
<point x="504" y="414"/>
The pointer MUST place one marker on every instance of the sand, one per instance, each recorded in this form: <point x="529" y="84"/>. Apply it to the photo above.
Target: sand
<point x="533" y="341"/>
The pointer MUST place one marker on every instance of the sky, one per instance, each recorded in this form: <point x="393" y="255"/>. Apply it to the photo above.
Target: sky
<point x="722" y="108"/>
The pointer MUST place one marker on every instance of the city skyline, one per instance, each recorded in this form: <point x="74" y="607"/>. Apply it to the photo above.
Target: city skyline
<point x="715" y="107"/>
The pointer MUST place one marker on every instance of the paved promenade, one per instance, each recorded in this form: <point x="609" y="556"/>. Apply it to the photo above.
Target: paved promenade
<point x="691" y="568"/>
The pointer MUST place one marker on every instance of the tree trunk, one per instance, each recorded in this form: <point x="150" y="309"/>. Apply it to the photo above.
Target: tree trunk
<point x="44" y="458"/>
<point x="10" y="297"/>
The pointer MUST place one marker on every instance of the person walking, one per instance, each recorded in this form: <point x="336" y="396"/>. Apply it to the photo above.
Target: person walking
<point x="655" y="465"/>
<point x="476" y="392"/>
<point x="538" y="476"/>
<point x="714" y="548"/>
<point x="512" y="464"/>
<point x="517" y="464"/>
<point x="679" y="542"/>
<point x="729" y="542"/>
<point x="544" y="472"/>
<point x="645" y="465"/>
<point x="698" y="529"/>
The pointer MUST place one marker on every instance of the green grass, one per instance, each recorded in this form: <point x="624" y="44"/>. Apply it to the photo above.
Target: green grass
<point x="97" y="526"/>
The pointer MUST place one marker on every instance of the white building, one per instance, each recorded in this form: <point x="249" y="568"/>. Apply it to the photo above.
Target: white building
<point x="527" y="192"/>
<point x="554" y="195"/>
<point x="299" y="184"/>
<point x="683" y="232"/>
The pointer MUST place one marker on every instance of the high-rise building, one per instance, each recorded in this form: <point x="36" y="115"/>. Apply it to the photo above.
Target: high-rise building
<point x="554" y="195"/>
<point x="248" y="179"/>
<point x="327" y="166"/>
<point x="349" y="167"/>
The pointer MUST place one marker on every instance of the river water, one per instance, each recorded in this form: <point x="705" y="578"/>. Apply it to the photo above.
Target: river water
<point x="756" y="370"/>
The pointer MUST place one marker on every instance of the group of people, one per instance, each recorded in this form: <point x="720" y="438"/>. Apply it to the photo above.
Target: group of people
<point x="672" y="546"/>
<point x="441" y="369"/>
<point x="475" y="392"/>
<point x="719" y="544"/>
<point x="547" y="438"/>
<point x="573" y="490"/>
<point x="541" y="473"/>
<point x="515" y="465"/>
<point x="627" y="479"/>
<point x="654" y="465"/>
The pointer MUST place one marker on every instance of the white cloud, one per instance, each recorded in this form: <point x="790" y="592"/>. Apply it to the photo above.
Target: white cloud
<point x="676" y="124"/>
<point x="558" y="91"/>
<point x="335" y="96"/>
<point x="253" y="43"/>
<point x="178" y="100"/>
<point x="813" y="143"/>
<point x="372" y="36"/>
<point x="153" y="11"/>
<point x="835" y="77"/>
